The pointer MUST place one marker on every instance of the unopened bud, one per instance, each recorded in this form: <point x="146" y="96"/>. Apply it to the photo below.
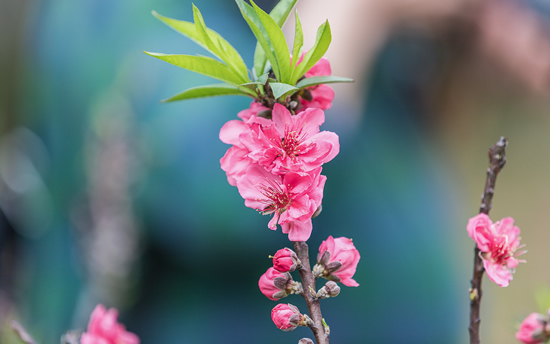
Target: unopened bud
<point x="533" y="329"/>
<point x="275" y="285"/>
<point x="305" y="341"/>
<point x="330" y="289"/>
<point x="285" y="260"/>
<point x="286" y="317"/>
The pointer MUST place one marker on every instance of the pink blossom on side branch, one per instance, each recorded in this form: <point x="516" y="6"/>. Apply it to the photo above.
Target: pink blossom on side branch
<point x="498" y="244"/>
<point x="291" y="198"/>
<point x="103" y="328"/>
<point x="339" y="257"/>
<point x="291" y="143"/>
<point x="533" y="329"/>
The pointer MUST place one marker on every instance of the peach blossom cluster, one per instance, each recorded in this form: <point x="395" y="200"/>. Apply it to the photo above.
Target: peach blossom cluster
<point x="276" y="157"/>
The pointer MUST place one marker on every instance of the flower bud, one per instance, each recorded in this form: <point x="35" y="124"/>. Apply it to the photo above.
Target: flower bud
<point x="532" y="329"/>
<point x="306" y="341"/>
<point x="285" y="260"/>
<point x="275" y="285"/>
<point x="337" y="261"/>
<point x="330" y="289"/>
<point x="286" y="316"/>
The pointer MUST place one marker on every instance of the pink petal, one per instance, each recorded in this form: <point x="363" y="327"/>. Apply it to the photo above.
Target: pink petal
<point x="282" y="118"/>
<point x="231" y="130"/>
<point x="497" y="273"/>
<point x="299" y="231"/>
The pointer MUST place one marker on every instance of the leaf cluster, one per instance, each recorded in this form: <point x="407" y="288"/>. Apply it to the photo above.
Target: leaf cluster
<point x="275" y="75"/>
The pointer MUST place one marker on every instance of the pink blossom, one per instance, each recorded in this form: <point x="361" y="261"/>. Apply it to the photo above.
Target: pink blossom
<point x="532" y="329"/>
<point x="342" y="260"/>
<point x="103" y="328"/>
<point x="321" y="95"/>
<point x="286" y="316"/>
<point x="291" y="198"/>
<point x="235" y="161"/>
<point x="498" y="244"/>
<point x="291" y="143"/>
<point x="285" y="260"/>
<point x="273" y="284"/>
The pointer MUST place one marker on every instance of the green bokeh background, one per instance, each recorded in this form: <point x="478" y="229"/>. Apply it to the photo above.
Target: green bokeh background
<point x="76" y="87"/>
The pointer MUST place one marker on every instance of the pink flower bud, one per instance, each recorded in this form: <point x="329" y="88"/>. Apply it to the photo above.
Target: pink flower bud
<point x="339" y="258"/>
<point x="285" y="260"/>
<point x="275" y="285"/>
<point x="286" y="316"/>
<point x="103" y="328"/>
<point x="532" y="329"/>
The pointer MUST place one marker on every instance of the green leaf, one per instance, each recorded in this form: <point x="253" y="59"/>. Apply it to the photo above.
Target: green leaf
<point x="222" y="49"/>
<point x="258" y="29"/>
<point x="280" y="89"/>
<point x="298" y="41"/>
<point x="202" y="65"/>
<point x="208" y="91"/>
<point x="276" y="39"/>
<point x="317" y="80"/>
<point x="219" y="46"/>
<point x="262" y="79"/>
<point x="279" y="13"/>
<point x="314" y="54"/>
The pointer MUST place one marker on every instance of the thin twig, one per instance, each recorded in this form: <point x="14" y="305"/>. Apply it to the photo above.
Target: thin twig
<point x="497" y="160"/>
<point x="312" y="302"/>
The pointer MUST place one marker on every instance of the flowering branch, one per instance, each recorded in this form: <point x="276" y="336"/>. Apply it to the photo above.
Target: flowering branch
<point x="313" y="305"/>
<point x="497" y="160"/>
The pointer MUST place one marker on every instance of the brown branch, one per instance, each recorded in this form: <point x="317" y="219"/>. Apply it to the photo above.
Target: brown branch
<point x="497" y="160"/>
<point x="312" y="302"/>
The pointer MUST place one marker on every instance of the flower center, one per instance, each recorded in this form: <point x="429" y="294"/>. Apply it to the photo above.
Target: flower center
<point x="276" y="198"/>
<point x="291" y="142"/>
<point x="501" y="250"/>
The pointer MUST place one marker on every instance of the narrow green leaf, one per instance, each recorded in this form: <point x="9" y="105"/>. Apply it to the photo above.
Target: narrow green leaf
<point x="202" y="65"/>
<point x="279" y="13"/>
<point x="276" y="39"/>
<point x="219" y="46"/>
<point x="229" y="53"/>
<point x="317" y="80"/>
<point x="314" y="54"/>
<point x="257" y="28"/>
<point x="207" y="91"/>
<point x="280" y="89"/>
<point x="298" y="41"/>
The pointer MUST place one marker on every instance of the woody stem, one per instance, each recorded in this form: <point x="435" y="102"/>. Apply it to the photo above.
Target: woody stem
<point x="308" y="282"/>
<point x="497" y="160"/>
